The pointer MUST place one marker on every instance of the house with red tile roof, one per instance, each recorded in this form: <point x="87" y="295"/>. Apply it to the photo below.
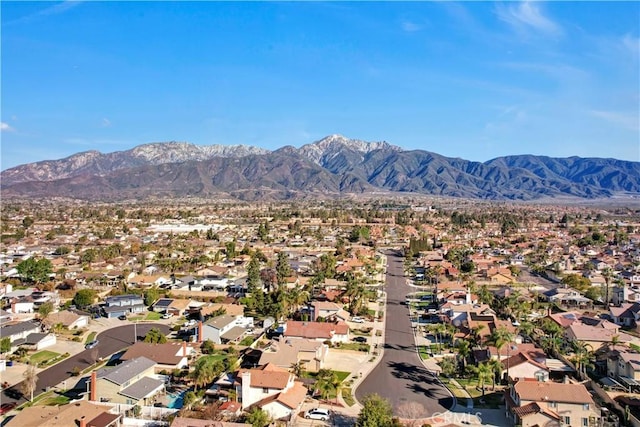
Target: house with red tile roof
<point x="319" y="331"/>
<point x="272" y="389"/>
<point x="535" y="403"/>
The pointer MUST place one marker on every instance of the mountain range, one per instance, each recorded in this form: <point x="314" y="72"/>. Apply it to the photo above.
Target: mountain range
<point x="330" y="167"/>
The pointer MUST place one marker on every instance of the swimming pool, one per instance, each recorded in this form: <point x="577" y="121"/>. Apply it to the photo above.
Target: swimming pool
<point x="176" y="400"/>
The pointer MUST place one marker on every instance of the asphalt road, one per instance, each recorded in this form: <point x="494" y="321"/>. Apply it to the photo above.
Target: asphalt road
<point x="400" y="376"/>
<point x="110" y="341"/>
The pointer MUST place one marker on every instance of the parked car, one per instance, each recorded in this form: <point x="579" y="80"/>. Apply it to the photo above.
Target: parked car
<point x="317" y="414"/>
<point x="360" y="339"/>
<point x="122" y="317"/>
<point x="166" y="316"/>
<point x="7" y="407"/>
<point x="91" y="344"/>
<point x="357" y="319"/>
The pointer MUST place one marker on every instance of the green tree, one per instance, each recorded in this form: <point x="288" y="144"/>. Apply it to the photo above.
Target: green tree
<point x="485" y="373"/>
<point x="258" y="418"/>
<point x="464" y="350"/>
<point x="449" y="366"/>
<point x="45" y="310"/>
<point x="36" y="270"/>
<point x="376" y="412"/>
<point x="189" y="400"/>
<point x="208" y="347"/>
<point x="205" y="370"/>
<point x="84" y="298"/>
<point x="5" y="345"/>
<point x="155" y="336"/>
<point x="151" y="295"/>
<point x="283" y="269"/>
<point x="500" y="337"/>
<point x="230" y="249"/>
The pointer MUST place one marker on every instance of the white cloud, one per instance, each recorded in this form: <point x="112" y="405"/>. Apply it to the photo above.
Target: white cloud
<point x="526" y="16"/>
<point x="4" y="127"/>
<point x="410" y="27"/>
<point x="629" y="121"/>
<point x="106" y="123"/>
<point x="51" y="10"/>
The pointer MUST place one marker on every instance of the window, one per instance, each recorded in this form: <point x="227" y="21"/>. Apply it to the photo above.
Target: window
<point x="585" y="406"/>
<point x="553" y="404"/>
<point x="585" y="422"/>
<point x="567" y="420"/>
<point x="265" y="390"/>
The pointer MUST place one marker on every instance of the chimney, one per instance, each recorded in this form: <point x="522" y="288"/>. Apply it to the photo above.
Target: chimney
<point x="184" y="348"/>
<point x="83" y="422"/>
<point x="94" y="383"/>
<point x="246" y="389"/>
<point x="200" y="337"/>
<point x="13" y="307"/>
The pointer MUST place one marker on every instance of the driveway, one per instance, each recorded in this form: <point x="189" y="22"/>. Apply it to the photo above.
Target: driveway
<point x="400" y="376"/>
<point x="110" y="341"/>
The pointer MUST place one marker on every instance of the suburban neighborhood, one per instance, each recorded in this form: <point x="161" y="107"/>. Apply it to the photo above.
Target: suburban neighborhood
<point x="436" y="312"/>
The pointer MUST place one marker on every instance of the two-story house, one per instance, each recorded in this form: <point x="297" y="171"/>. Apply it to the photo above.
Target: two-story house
<point x="272" y="389"/>
<point x="132" y="382"/>
<point x="624" y="366"/>
<point x="329" y="311"/>
<point x="531" y="403"/>
<point x="221" y="329"/>
<point x="121" y="305"/>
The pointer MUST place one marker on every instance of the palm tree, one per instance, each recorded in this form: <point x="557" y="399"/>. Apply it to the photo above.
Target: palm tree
<point x="464" y="350"/>
<point x="475" y="332"/>
<point x="484" y="373"/>
<point x="526" y="329"/>
<point x="327" y="382"/>
<point x="30" y="381"/>
<point x="297" y="369"/>
<point x="501" y="336"/>
<point x="583" y="356"/>
<point x="496" y="369"/>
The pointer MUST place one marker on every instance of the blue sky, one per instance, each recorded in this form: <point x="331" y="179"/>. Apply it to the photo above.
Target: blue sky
<point x="475" y="80"/>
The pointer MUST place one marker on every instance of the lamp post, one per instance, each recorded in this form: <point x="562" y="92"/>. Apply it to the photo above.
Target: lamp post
<point x="135" y="331"/>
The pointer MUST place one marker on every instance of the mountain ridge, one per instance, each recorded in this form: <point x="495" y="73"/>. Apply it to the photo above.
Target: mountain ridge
<point x="332" y="166"/>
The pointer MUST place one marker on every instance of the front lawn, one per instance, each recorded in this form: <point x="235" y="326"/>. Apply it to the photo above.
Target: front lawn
<point x="153" y="315"/>
<point x="91" y="337"/>
<point x="42" y="357"/>
<point x="356" y="346"/>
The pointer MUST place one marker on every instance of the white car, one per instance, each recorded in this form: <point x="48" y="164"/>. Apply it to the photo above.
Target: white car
<point x="357" y="319"/>
<point x="317" y="414"/>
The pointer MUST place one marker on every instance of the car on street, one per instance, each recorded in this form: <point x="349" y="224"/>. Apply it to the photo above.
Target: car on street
<point x="357" y="319"/>
<point x="122" y="317"/>
<point x="7" y="407"/>
<point x="317" y="414"/>
<point x="360" y="339"/>
<point x="91" y="344"/>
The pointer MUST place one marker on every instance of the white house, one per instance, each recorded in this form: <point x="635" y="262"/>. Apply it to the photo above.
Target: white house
<point x="272" y="389"/>
<point x="223" y="328"/>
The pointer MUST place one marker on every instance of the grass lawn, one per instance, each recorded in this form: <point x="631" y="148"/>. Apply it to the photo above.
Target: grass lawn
<point x="153" y="315"/>
<point x="424" y="353"/>
<point x="91" y="337"/>
<point x="55" y="400"/>
<point x="347" y="396"/>
<point x="43" y="356"/>
<point x="135" y="318"/>
<point x="354" y="346"/>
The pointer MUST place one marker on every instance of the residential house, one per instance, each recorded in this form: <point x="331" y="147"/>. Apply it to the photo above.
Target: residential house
<point x="172" y="306"/>
<point x="624" y="366"/>
<point x="567" y="297"/>
<point x="595" y="336"/>
<point x="319" y="331"/>
<point x="167" y="356"/>
<point x="68" y="319"/>
<point x="20" y="330"/>
<point x="329" y="311"/>
<point x="535" y="403"/>
<point x="272" y="389"/>
<point x="526" y="361"/>
<point x="285" y="352"/>
<point x="626" y="314"/>
<point x="35" y="341"/>
<point x="121" y="305"/>
<point x="79" y="413"/>
<point x="222" y="329"/>
<point x="132" y="382"/>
